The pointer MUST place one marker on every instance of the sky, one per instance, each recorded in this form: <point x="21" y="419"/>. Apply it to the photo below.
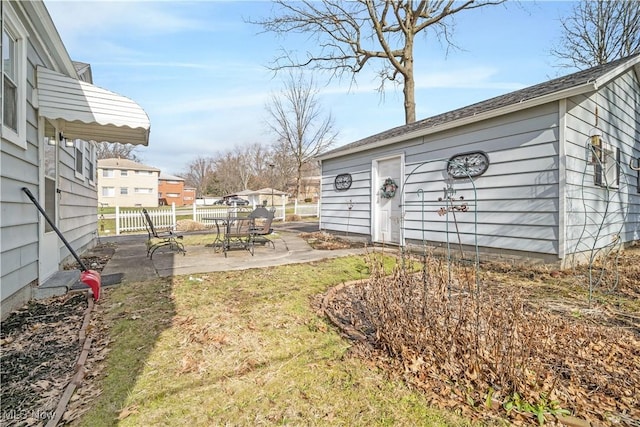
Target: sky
<point x="200" y="72"/>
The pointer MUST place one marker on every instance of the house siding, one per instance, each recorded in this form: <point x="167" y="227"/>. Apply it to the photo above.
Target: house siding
<point x="599" y="217"/>
<point x="19" y="218"/>
<point x="514" y="208"/>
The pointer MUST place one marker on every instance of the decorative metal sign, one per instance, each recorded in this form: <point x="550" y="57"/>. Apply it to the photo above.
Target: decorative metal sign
<point x="467" y="165"/>
<point x="343" y="181"/>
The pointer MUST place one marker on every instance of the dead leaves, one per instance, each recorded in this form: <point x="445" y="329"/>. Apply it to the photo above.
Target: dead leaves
<point x="457" y="345"/>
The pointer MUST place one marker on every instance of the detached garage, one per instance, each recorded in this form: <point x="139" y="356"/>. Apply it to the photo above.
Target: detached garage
<point x="546" y="172"/>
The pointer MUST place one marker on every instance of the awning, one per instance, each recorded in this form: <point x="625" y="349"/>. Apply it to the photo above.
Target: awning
<point x="89" y="112"/>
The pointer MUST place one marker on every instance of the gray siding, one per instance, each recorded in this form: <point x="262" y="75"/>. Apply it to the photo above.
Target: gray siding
<point x="516" y="203"/>
<point x="334" y="209"/>
<point x="597" y="215"/>
<point x="19" y="218"/>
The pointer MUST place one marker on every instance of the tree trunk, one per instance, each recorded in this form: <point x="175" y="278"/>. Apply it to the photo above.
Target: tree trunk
<point x="409" y="89"/>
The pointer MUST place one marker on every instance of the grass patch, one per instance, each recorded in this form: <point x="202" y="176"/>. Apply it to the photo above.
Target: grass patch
<point x="244" y="348"/>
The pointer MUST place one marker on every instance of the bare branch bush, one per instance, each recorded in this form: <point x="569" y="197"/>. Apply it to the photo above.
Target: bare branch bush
<point x="486" y="350"/>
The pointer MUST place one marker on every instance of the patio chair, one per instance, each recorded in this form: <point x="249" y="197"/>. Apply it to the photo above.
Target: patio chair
<point x="158" y="239"/>
<point x="263" y="218"/>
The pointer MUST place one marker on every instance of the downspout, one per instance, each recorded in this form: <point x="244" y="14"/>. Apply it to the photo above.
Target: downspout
<point x="562" y="181"/>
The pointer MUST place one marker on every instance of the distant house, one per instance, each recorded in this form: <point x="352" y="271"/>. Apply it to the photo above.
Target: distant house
<point x="123" y="182"/>
<point x="269" y="195"/>
<point x="547" y="172"/>
<point x="51" y="115"/>
<point x="171" y="190"/>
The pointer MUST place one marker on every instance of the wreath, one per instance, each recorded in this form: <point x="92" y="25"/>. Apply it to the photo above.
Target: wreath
<point x="388" y="189"/>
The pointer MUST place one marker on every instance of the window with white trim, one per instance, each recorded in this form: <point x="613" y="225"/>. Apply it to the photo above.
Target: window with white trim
<point x="124" y="191"/>
<point x="107" y="173"/>
<point x="79" y="155"/>
<point x="143" y="173"/>
<point x="124" y="173"/>
<point x="91" y="162"/>
<point x="108" y="191"/>
<point x="140" y="190"/>
<point x="14" y="79"/>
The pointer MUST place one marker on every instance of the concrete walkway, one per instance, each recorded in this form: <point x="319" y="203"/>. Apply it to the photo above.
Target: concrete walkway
<point x="130" y="258"/>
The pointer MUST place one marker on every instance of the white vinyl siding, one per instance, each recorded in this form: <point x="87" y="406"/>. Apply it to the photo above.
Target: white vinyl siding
<point x="516" y="202"/>
<point x="598" y="214"/>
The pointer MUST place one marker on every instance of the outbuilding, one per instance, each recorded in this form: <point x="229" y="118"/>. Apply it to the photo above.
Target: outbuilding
<point x="546" y="172"/>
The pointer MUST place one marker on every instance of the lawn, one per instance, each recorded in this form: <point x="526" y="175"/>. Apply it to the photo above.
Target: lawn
<point x="239" y="348"/>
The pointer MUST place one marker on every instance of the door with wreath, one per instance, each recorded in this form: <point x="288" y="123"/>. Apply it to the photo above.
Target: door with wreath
<point x="387" y="200"/>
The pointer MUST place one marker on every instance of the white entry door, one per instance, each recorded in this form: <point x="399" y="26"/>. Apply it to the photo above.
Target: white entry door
<point x="387" y="212"/>
<point x="49" y="248"/>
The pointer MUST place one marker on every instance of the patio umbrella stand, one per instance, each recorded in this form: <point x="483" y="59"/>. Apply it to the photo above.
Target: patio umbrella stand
<point x="90" y="278"/>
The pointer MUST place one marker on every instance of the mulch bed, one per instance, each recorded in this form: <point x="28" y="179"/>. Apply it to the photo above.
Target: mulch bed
<point x="41" y="343"/>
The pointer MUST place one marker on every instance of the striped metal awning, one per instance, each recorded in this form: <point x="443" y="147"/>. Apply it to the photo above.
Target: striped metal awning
<point x="89" y="112"/>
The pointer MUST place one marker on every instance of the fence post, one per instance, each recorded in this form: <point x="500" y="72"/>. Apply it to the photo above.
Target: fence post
<point x="174" y="222"/>
<point x="318" y="208"/>
<point x="117" y="220"/>
<point x="284" y="210"/>
<point x="194" y="211"/>
<point x="295" y="206"/>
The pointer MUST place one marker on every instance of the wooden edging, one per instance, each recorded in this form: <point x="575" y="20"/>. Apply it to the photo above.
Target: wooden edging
<point x="79" y="370"/>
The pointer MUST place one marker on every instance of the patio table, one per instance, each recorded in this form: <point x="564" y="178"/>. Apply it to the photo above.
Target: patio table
<point x="232" y="231"/>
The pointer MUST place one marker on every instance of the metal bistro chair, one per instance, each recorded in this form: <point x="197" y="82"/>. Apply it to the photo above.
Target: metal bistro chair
<point x="238" y="233"/>
<point x="263" y="218"/>
<point x="158" y="239"/>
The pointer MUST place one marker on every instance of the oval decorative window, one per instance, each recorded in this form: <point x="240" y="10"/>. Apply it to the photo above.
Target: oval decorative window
<point x="468" y="165"/>
<point x="343" y="181"/>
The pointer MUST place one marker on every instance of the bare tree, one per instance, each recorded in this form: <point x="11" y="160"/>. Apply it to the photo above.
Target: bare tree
<point x="599" y="31"/>
<point x="199" y="175"/>
<point x="351" y="33"/>
<point x="299" y="123"/>
<point x="110" y="150"/>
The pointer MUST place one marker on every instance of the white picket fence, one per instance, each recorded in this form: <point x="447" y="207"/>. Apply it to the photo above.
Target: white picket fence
<point x="131" y="219"/>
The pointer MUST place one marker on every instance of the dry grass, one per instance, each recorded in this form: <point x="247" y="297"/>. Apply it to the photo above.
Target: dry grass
<point x="243" y="348"/>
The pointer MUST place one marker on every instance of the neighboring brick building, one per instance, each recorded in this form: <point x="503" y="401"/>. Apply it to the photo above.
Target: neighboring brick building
<point x="171" y="190"/>
<point x="126" y="183"/>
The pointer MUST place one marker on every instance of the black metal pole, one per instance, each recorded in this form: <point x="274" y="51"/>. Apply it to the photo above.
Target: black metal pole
<point x="44" y="214"/>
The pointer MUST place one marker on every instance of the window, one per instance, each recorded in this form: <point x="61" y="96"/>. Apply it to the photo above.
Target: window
<point x="173" y="195"/>
<point x="144" y="173"/>
<point x="139" y="190"/>
<point x="607" y="167"/>
<point x="14" y="79"/>
<point x="79" y="149"/>
<point x="10" y="112"/>
<point x="124" y="191"/>
<point x="124" y="173"/>
<point x="107" y="173"/>
<point x="91" y="161"/>
<point x="108" y="191"/>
